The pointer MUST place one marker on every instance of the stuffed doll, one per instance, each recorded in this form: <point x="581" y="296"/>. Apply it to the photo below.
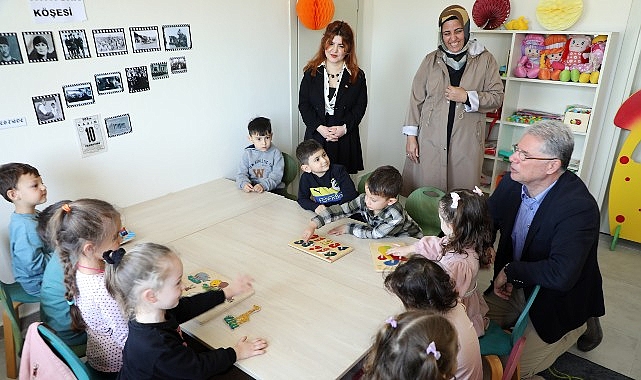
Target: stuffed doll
<point x="590" y="70"/>
<point x="528" y="65"/>
<point x="551" y="63"/>
<point x="577" y="51"/>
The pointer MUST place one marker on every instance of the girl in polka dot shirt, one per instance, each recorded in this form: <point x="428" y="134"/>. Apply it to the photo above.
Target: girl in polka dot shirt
<point x="83" y="230"/>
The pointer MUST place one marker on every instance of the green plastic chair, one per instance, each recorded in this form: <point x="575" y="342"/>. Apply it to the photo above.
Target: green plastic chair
<point x="11" y="297"/>
<point x="422" y="205"/>
<point x="362" y="181"/>
<point x="289" y="174"/>
<point x="65" y="353"/>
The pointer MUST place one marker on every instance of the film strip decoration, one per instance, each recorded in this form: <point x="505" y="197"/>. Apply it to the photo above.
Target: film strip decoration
<point x="177" y="37"/>
<point x="74" y="44"/>
<point x="118" y="125"/>
<point x="48" y="108"/>
<point x="10" y="49"/>
<point x="178" y="65"/>
<point x="159" y="70"/>
<point x="40" y="46"/>
<point x="109" y="42"/>
<point x="137" y="78"/>
<point x="144" y="38"/>
<point x="108" y="83"/>
<point x="78" y="94"/>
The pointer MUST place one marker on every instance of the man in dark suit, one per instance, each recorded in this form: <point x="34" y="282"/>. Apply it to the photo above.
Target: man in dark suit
<point x="549" y="232"/>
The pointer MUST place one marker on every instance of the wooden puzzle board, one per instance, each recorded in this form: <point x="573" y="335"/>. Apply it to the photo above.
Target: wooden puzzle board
<point x="382" y="261"/>
<point x="204" y="280"/>
<point x="321" y="247"/>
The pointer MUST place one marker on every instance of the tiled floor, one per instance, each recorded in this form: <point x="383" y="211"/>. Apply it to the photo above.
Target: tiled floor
<point x="621" y="346"/>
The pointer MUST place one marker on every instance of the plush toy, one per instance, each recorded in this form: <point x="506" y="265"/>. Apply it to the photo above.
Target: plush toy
<point x="577" y="51"/>
<point x="528" y="65"/>
<point x="590" y="70"/>
<point x="520" y="23"/>
<point x="551" y="63"/>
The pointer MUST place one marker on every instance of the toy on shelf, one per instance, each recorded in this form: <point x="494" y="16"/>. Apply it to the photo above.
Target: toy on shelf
<point x="528" y="116"/>
<point x="529" y="63"/>
<point x="577" y="52"/>
<point x="520" y="23"/>
<point x="551" y="63"/>
<point x="590" y="70"/>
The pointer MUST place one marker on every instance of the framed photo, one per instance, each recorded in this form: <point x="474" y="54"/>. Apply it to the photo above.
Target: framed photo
<point x="178" y="65"/>
<point x="118" y="125"/>
<point x="9" y="49"/>
<point x="159" y="70"/>
<point x="74" y="44"/>
<point x="40" y="46"/>
<point x="177" y="37"/>
<point x="48" y="108"/>
<point x="108" y="83"/>
<point x="109" y="42"/>
<point x="137" y="78"/>
<point x="144" y="38"/>
<point x="78" y="94"/>
<point x="90" y="136"/>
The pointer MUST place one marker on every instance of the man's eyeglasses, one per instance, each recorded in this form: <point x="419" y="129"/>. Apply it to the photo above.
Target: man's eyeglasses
<point x="522" y="155"/>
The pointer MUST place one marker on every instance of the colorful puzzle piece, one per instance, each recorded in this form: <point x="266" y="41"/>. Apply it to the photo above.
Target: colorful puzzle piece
<point x="234" y="322"/>
<point x="322" y="248"/>
<point x="382" y="260"/>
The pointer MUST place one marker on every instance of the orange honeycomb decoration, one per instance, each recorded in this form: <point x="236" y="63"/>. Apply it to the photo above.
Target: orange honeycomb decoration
<point x="315" y="14"/>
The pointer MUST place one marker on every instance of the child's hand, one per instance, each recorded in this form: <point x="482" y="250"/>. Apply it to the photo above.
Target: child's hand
<point x="259" y="188"/>
<point x="240" y="285"/>
<point x="246" y="349"/>
<point x="309" y="231"/>
<point x="248" y="188"/>
<point x="338" y="230"/>
<point x="398" y="250"/>
<point x="320" y="209"/>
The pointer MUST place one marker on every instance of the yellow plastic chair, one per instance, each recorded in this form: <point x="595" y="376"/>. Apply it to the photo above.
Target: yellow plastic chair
<point x="289" y="174"/>
<point x="11" y="297"/>
<point x="422" y="205"/>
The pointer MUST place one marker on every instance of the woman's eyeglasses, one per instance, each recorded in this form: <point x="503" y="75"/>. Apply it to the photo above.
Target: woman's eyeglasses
<point x="522" y="155"/>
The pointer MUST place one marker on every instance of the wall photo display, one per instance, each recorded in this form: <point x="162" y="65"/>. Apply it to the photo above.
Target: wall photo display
<point x="159" y="70"/>
<point x="10" y="49"/>
<point x="137" y="78"/>
<point x="74" y="44"/>
<point x="90" y="135"/>
<point x="178" y="65"/>
<point x="48" y="108"/>
<point x="40" y="46"/>
<point x="144" y="39"/>
<point x="109" y="42"/>
<point x="78" y="94"/>
<point x="118" y="125"/>
<point x="108" y="83"/>
<point x="177" y="37"/>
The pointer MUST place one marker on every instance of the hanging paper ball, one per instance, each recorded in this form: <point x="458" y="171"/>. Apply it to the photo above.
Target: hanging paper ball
<point x="315" y="14"/>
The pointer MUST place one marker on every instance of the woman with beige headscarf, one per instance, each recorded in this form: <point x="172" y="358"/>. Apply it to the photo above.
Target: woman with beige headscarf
<point x="452" y="90"/>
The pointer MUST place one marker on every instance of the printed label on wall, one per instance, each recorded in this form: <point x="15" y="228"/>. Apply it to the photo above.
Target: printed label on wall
<point x="57" y="11"/>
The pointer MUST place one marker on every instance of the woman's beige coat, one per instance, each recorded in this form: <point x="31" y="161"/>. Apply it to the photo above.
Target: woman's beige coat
<point x="460" y="167"/>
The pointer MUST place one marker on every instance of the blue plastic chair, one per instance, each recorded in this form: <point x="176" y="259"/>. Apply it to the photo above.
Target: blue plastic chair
<point x="65" y="353"/>
<point x="11" y="297"/>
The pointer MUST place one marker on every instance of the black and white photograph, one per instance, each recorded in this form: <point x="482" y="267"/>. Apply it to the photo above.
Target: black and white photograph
<point x="178" y="65"/>
<point x="40" y="46"/>
<point x="9" y="49"/>
<point x="109" y="42"/>
<point x="137" y="78"/>
<point x="78" y="94"/>
<point x="48" y="108"/>
<point x="74" y="44"/>
<point x="118" y="125"/>
<point x="159" y="70"/>
<point x="144" y="39"/>
<point x="108" y="83"/>
<point x="90" y="136"/>
<point x="177" y="37"/>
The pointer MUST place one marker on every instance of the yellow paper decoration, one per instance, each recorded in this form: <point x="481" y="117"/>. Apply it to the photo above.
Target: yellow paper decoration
<point x="558" y="14"/>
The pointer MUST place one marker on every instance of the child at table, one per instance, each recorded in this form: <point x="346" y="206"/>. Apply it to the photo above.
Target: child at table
<point x="54" y="309"/>
<point x="147" y="282"/>
<point x="83" y="230"/>
<point x="422" y="284"/>
<point x="22" y="185"/>
<point x="466" y="246"/>
<point x="413" y="345"/>
<point x="262" y="165"/>
<point x="322" y="183"/>
<point x="379" y="207"/>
